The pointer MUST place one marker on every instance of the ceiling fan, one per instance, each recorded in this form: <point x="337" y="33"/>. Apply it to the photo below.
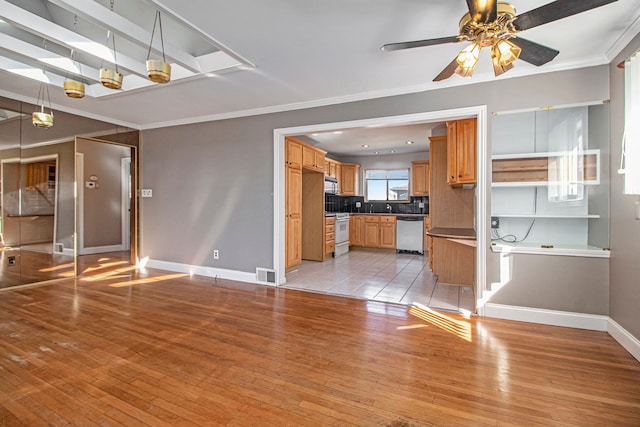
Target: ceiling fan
<point x="495" y="25"/>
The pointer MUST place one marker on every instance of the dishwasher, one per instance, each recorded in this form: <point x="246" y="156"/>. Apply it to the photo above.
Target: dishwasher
<point x="409" y="234"/>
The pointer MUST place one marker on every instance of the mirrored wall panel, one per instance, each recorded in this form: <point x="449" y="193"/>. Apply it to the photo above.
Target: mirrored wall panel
<point x="38" y="200"/>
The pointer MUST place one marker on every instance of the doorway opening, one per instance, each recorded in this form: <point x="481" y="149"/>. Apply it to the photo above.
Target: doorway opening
<point x="480" y="191"/>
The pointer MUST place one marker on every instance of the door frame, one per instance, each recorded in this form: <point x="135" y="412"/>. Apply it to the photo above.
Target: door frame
<point x="134" y="219"/>
<point x="126" y="198"/>
<point x="79" y="244"/>
<point x="479" y="112"/>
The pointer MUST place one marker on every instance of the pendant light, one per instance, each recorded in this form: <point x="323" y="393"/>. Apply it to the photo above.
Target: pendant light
<point x="158" y="71"/>
<point x="109" y="77"/>
<point x="74" y="88"/>
<point x="40" y="118"/>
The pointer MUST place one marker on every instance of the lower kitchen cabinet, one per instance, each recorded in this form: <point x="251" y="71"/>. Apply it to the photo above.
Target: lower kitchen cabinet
<point x="329" y="235"/>
<point x="356" y="230"/>
<point x="388" y="234"/>
<point x="379" y="231"/>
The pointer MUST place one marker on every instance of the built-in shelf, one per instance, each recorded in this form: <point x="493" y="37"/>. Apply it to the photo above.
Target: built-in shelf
<point x="554" y="216"/>
<point x="545" y="190"/>
<point x="531" y="169"/>
<point x="537" y="183"/>
<point x="565" y="250"/>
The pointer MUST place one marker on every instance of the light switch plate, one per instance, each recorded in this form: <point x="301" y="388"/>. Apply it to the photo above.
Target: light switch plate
<point x="146" y="192"/>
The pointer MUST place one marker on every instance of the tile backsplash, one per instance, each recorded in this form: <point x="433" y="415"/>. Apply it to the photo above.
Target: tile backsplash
<point x="335" y="203"/>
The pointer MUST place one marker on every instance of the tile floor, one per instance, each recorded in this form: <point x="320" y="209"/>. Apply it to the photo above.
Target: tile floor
<point x="380" y="275"/>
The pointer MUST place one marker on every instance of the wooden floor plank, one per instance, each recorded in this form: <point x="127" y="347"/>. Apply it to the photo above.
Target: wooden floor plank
<point x="152" y="348"/>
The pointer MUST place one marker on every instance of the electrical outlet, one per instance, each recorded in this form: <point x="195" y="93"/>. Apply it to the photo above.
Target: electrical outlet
<point x="146" y="192"/>
<point x="216" y="254"/>
<point x="495" y="222"/>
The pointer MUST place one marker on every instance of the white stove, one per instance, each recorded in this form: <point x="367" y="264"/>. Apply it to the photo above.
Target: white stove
<point x="342" y="234"/>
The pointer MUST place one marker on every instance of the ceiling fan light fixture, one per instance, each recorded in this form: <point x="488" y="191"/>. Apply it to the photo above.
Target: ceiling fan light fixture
<point x="467" y="60"/>
<point x="468" y="57"/>
<point x="505" y="52"/>
<point x="499" y="69"/>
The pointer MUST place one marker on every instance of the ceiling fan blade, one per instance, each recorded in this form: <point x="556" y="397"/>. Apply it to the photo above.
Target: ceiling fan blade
<point x="534" y="53"/>
<point x="447" y="72"/>
<point x="555" y="10"/>
<point x="419" y="43"/>
<point x="483" y="11"/>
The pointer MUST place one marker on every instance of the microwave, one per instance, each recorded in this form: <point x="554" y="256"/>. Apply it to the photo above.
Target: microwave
<point x="330" y="185"/>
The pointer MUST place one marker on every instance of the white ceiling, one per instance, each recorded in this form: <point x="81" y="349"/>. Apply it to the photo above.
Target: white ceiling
<point x="306" y="53"/>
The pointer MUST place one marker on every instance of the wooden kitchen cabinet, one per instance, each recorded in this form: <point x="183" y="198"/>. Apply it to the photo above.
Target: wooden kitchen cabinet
<point x="312" y="158"/>
<point x="293" y="153"/>
<point x="388" y="234"/>
<point x="380" y="231"/>
<point x="330" y="168"/>
<point x="349" y="179"/>
<point x="461" y="152"/>
<point x="329" y="235"/>
<point x="293" y="216"/>
<point x="428" y="241"/>
<point x="356" y="230"/>
<point x="371" y="232"/>
<point x="420" y="178"/>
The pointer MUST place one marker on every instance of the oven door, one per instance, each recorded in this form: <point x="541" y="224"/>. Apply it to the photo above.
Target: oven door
<point x="342" y="230"/>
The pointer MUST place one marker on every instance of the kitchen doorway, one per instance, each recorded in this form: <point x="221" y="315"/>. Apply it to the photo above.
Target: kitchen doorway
<point x="479" y="112"/>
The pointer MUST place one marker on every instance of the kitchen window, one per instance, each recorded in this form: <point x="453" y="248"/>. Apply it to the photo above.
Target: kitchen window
<point x="387" y="184"/>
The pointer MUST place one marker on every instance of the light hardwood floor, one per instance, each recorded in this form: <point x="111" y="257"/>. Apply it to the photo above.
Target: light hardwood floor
<point x="126" y="347"/>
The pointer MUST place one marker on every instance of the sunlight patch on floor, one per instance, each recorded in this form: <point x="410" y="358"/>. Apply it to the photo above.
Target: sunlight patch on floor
<point x="459" y="328"/>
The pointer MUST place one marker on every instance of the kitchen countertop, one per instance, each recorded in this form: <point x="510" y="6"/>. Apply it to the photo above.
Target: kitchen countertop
<point x="392" y="214"/>
<point x="453" y="233"/>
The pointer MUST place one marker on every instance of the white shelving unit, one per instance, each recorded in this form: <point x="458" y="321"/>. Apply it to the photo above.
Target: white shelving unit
<point x="546" y="174"/>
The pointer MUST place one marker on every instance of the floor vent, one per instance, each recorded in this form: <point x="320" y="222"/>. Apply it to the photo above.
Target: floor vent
<point x="266" y="276"/>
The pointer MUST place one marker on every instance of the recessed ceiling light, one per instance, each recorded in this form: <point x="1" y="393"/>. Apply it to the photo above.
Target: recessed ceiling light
<point x="315" y="134"/>
<point x="409" y="142"/>
<point x="338" y="132"/>
<point x="365" y="145"/>
<point x="392" y="151"/>
<point x="376" y="152"/>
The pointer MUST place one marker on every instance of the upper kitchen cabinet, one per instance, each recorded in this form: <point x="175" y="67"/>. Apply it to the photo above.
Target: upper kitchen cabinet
<point x="299" y="154"/>
<point x="313" y="158"/>
<point x="349" y="179"/>
<point x="293" y="153"/>
<point x="461" y="152"/>
<point x="420" y="178"/>
<point x="331" y="168"/>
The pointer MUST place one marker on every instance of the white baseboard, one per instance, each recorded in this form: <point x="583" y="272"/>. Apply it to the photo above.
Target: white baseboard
<point x="567" y="319"/>
<point x="101" y="249"/>
<point x="593" y="322"/>
<point x="624" y="338"/>
<point x="221" y="273"/>
<point x="68" y="252"/>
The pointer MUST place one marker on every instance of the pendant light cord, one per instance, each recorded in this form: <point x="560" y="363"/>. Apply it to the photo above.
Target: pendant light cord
<point x="157" y="20"/>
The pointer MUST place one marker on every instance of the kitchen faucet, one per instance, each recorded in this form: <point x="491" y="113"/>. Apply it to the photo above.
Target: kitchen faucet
<point x="389" y="207"/>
